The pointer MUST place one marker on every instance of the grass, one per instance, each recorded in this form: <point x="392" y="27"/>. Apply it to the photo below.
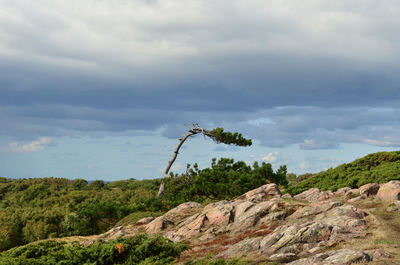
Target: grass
<point x="383" y="231"/>
<point x="134" y="217"/>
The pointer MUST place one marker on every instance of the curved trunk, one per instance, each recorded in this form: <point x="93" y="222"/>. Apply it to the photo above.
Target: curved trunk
<point x="168" y="167"/>
<point x="192" y="131"/>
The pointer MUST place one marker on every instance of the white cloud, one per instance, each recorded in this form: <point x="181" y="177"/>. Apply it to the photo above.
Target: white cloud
<point x="34" y="146"/>
<point x="154" y="32"/>
<point x="271" y="157"/>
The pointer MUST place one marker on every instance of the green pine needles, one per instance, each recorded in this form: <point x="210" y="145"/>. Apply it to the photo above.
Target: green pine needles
<point x="220" y="136"/>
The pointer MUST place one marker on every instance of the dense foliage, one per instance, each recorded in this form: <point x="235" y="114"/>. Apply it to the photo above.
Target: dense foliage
<point x="139" y="249"/>
<point x="225" y="179"/>
<point x="220" y="136"/>
<point x="378" y="167"/>
<point x="34" y="209"/>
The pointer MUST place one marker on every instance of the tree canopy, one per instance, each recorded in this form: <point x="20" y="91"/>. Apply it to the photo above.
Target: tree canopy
<point x="217" y="134"/>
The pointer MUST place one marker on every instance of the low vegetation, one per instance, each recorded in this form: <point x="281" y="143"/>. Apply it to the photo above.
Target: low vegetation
<point x="44" y="208"/>
<point x="378" y="167"/>
<point x="35" y="209"/>
<point x="224" y="180"/>
<point x="41" y="208"/>
<point x="139" y="249"/>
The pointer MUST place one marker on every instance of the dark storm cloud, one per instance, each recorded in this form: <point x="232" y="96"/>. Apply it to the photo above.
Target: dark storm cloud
<point x="322" y="73"/>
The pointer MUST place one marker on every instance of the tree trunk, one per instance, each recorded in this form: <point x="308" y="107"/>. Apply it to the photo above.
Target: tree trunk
<point x="192" y="131"/>
<point x="176" y="152"/>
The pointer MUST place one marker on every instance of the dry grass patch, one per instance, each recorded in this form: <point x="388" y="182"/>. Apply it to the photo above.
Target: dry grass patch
<point x="383" y="231"/>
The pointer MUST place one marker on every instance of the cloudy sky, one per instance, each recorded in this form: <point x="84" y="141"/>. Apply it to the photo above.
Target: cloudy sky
<point x="102" y="89"/>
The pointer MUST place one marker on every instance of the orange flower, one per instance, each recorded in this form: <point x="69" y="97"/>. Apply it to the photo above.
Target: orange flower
<point x="120" y="248"/>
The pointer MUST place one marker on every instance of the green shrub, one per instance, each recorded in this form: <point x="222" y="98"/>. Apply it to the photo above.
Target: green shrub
<point x="378" y="167"/>
<point x="139" y="249"/>
<point x="225" y="179"/>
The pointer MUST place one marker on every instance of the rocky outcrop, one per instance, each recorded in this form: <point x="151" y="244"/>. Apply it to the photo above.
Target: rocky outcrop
<point x="331" y="223"/>
<point x="173" y="218"/>
<point x="267" y="227"/>
<point x="389" y="191"/>
<point x="352" y="193"/>
<point x="342" y="191"/>
<point x="335" y="257"/>
<point x="262" y="193"/>
<point x="248" y="213"/>
<point x="219" y="213"/>
<point x="314" y="194"/>
<point x="369" y="189"/>
<point x="314" y="209"/>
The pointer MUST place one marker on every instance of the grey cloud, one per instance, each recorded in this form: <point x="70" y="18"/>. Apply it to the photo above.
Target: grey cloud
<point x="325" y="128"/>
<point x="313" y="144"/>
<point x="323" y="73"/>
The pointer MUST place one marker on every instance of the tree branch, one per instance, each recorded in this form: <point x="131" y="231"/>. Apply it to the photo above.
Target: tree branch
<point x="218" y="135"/>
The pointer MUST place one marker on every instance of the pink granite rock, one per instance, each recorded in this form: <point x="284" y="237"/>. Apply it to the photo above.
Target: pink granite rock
<point x="352" y="193"/>
<point x="144" y="221"/>
<point x="369" y="189"/>
<point x="314" y="194"/>
<point x="219" y="213"/>
<point x="342" y="191"/>
<point x="287" y="196"/>
<point x="262" y="192"/>
<point x="157" y="225"/>
<point x="389" y="191"/>
<point x="314" y="209"/>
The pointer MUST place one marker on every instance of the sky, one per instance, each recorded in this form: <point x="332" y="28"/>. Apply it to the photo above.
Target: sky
<point x="103" y="89"/>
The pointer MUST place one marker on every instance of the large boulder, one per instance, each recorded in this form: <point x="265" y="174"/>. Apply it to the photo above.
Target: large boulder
<point x="173" y="217"/>
<point x="248" y="214"/>
<point x="342" y="191"/>
<point x="346" y="222"/>
<point x="352" y="193"/>
<point x="158" y="225"/>
<point x="191" y="227"/>
<point x="262" y="192"/>
<point x="183" y="211"/>
<point x="290" y="239"/>
<point x="369" y="189"/>
<point x="314" y="194"/>
<point x="219" y="213"/>
<point x="389" y="191"/>
<point x="314" y="208"/>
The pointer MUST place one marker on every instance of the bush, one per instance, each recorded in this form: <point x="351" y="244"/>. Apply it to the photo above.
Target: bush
<point x="140" y="249"/>
<point x="225" y="179"/>
<point x="378" y="167"/>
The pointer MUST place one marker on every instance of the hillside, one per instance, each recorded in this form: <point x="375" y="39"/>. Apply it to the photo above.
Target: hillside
<point x="35" y="209"/>
<point x="229" y="213"/>
<point x="259" y="227"/>
<point x="378" y="167"/>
